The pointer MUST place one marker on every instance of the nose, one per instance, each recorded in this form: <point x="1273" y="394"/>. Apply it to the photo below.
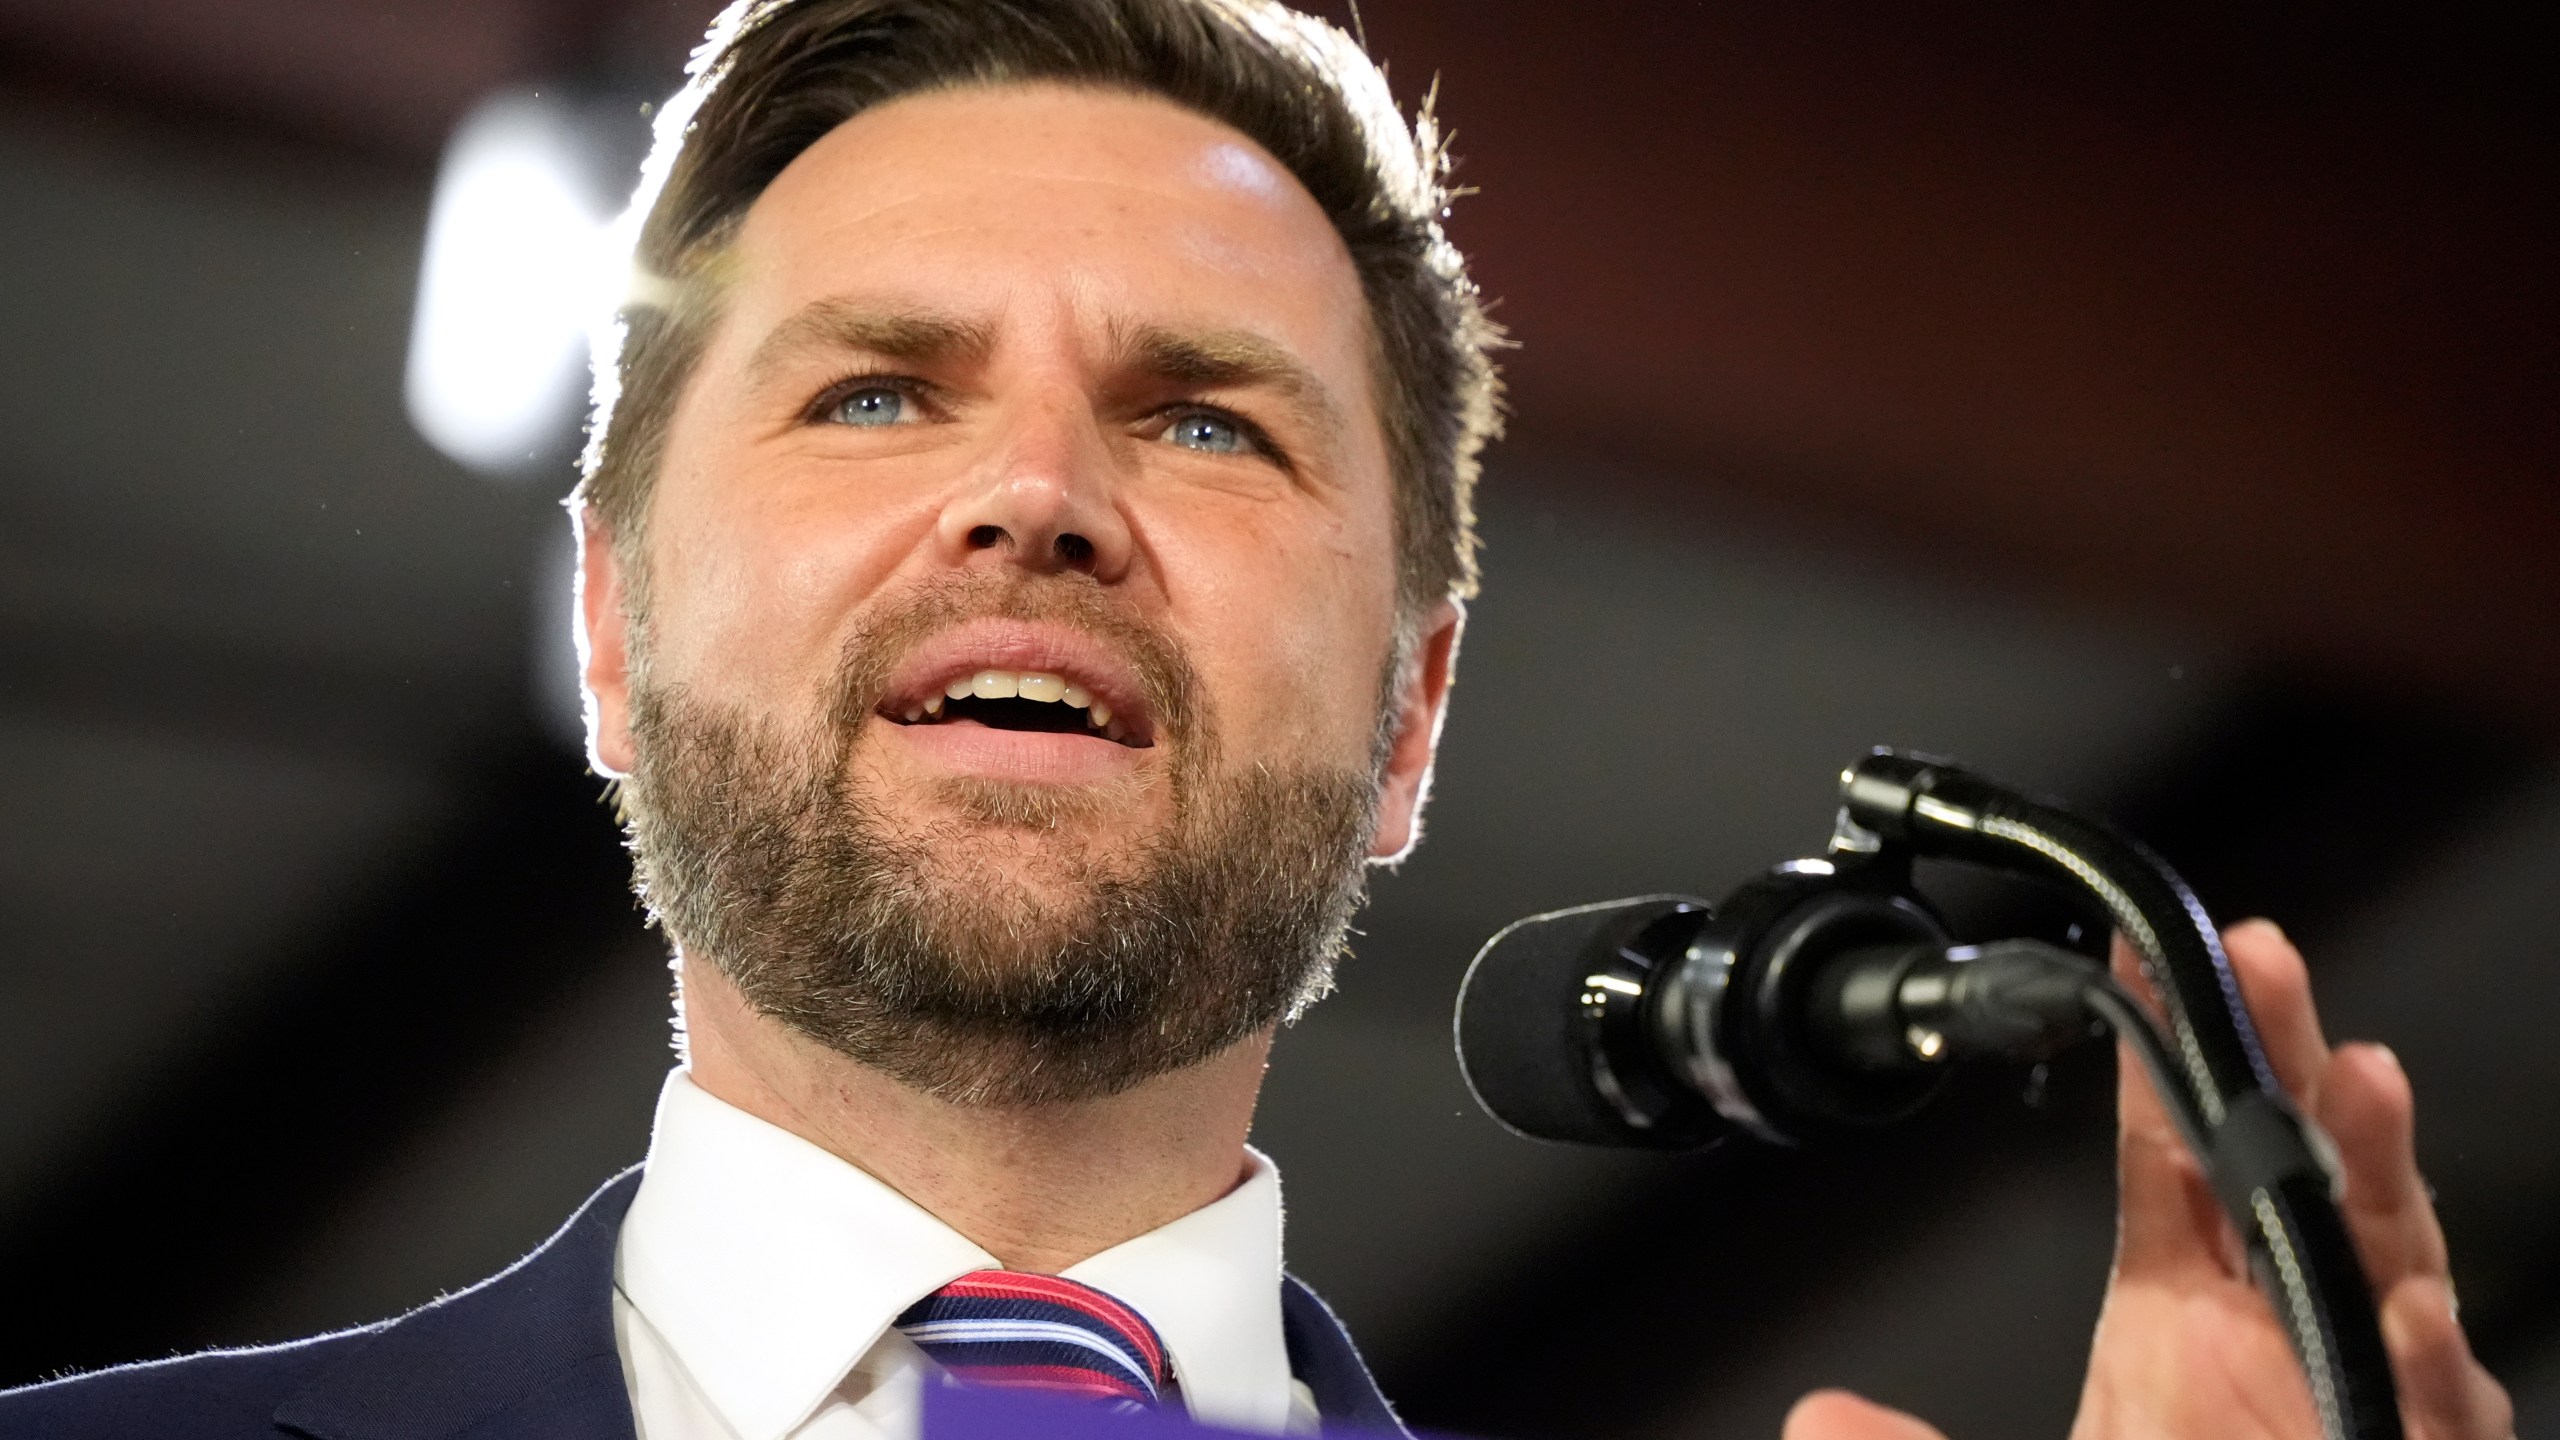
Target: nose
<point x="1047" y="499"/>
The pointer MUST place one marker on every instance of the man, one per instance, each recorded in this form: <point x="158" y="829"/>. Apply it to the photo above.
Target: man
<point x="1024" y="544"/>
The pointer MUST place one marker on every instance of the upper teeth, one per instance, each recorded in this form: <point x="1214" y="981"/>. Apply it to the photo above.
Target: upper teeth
<point x="1029" y="685"/>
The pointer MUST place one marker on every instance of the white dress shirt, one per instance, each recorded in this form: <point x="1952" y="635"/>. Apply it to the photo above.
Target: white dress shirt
<point x="757" y="1274"/>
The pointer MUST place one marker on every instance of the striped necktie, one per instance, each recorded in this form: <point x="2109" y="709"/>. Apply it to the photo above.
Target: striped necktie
<point x="1039" y="1332"/>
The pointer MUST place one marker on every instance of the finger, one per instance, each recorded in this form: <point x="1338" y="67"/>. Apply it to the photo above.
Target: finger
<point x="1839" y="1415"/>
<point x="2139" y="1109"/>
<point x="2445" y="1394"/>
<point x="2277" y="986"/>
<point x="2367" y="1107"/>
<point x="2128" y="965"/>
<point x="2172" y="1226"/>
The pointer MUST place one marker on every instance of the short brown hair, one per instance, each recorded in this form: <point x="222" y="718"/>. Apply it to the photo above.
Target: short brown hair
<point x="775" y="76"/>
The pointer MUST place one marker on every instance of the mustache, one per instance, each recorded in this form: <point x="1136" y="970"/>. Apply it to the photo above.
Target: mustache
<point x="897" y="625"/>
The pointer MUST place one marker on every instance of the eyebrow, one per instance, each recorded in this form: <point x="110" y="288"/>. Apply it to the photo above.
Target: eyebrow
<point x="907" y="334"/>
<point x="1227" y="358"/>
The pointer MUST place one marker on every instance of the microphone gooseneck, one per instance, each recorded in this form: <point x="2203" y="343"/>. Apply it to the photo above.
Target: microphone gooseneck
<point x="1825" y="998"/>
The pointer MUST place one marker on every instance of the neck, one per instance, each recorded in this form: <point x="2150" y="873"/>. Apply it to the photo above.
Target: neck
<point x="1039" y="1187"/>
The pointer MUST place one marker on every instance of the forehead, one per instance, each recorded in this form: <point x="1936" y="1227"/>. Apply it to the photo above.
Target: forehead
<point x="1000" y="199"/>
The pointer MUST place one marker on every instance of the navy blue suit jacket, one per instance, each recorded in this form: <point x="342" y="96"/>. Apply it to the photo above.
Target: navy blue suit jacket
<point x="526" y="1353"/>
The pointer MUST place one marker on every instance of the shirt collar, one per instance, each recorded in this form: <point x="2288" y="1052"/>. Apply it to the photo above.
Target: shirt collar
<point x="770" y="1267"/>
<point x="1210" y="1284"/>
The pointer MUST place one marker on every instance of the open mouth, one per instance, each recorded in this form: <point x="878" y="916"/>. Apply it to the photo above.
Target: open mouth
<point x="1037" y="701"/>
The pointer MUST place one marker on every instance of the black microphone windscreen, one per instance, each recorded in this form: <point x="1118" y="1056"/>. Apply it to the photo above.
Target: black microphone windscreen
<point x="1524" y="1043"/>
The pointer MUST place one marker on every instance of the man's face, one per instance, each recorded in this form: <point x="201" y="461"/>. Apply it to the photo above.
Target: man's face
<point x="1040" y="396"/>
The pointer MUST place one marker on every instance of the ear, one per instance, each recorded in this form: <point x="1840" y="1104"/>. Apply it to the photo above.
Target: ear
<point x="1422" y="702"/>
<point x="604" y="647"/>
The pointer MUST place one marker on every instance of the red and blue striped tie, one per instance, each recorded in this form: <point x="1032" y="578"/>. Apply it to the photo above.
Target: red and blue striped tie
<point x="1039" y="1332"/>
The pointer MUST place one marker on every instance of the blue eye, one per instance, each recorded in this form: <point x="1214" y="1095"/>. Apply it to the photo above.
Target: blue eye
<point x="1215" y="434"/>
<point x="871" y="405"/>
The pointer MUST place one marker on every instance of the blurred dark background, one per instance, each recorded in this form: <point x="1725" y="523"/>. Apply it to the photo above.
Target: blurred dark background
<point x="2154" y="405"/>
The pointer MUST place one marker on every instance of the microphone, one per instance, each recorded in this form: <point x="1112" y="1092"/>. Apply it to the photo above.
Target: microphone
<point x="1813" y="1002"/>
<point x="1825" y="998"/>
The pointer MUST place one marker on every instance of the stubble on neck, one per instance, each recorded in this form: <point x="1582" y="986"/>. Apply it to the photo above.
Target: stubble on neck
<point x="1041" y="1186"/>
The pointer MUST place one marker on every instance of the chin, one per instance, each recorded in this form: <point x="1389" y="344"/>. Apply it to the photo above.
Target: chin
<point x="993" y="831"/>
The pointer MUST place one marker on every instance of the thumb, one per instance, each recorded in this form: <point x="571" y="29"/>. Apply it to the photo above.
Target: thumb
<point x="1839" y="1415"/>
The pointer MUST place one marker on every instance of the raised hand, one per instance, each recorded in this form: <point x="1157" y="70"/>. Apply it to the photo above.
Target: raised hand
<point x="2186" y="1348"/>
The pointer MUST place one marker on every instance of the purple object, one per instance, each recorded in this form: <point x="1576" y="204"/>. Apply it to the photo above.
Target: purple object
<point x="974" y="1412"/>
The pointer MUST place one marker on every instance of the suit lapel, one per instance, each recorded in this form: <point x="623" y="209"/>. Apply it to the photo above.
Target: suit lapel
<point x="1322" y="1355"/>
<point x="528" y="1352"/>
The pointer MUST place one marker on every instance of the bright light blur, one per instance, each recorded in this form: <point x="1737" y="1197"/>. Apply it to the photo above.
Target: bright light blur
<point x="518" y="264"/>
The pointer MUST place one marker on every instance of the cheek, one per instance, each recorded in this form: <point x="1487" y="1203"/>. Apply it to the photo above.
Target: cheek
<point x="757" y="580"/>
<point x="1290" y="626"/>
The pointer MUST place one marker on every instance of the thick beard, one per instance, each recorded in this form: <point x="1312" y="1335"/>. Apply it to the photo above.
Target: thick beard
<point x="919" y="957"/>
